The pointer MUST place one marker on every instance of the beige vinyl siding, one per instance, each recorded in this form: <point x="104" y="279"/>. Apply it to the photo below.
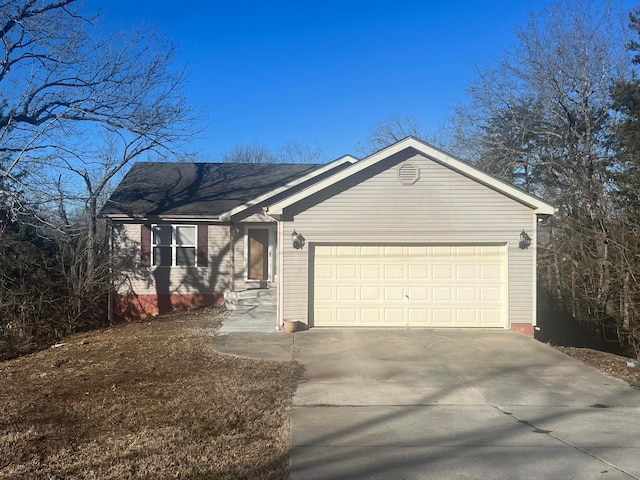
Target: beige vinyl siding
<point x="442" y="207"/>
<point x="180" y="280"/>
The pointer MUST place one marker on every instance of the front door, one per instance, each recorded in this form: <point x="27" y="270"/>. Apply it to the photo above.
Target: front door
<point x="258" y="254"/>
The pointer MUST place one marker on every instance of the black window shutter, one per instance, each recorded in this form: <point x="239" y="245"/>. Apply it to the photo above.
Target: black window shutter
<point x="145" y="245"/>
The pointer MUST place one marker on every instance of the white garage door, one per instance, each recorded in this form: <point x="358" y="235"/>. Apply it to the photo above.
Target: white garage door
<point x="410" y="285"/>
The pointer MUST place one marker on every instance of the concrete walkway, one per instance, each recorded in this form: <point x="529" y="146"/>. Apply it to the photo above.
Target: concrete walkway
<point x="419" y="404"/>
<point x="255" y="312"/>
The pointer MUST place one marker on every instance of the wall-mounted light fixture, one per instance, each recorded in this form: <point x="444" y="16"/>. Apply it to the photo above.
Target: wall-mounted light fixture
<point x="298" y="240"/>
<point x="525" y="240"/>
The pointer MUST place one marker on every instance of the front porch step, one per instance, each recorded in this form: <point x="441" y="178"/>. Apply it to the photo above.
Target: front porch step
<point x="254" y="310"/>
<point x="257" y="297"/>
<point x="256" y="292"/>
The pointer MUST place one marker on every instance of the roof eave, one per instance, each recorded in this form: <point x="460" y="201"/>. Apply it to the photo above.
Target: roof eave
<point x="164" y="218"/>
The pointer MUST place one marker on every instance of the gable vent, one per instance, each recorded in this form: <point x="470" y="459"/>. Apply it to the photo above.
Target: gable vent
<point x="408" y="173"/>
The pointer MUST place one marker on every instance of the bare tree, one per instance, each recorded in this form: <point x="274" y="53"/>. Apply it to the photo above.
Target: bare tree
<point x="252" y="153"/>
<point x="542" y="119"/>
<point x="390" y="130"/>
<point x="65" y="85"/>
<point x="290" y="152"/>
<point x="297" y="152"/>
<point x="77" y="105"/>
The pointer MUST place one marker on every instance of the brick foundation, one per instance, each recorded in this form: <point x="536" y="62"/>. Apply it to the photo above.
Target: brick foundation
<point x="525" y="328"/>
<point x="127" y="308"/>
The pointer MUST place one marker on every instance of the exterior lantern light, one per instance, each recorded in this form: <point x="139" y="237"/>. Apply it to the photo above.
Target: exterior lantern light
<point x="525" y="240"/>
<point x="298" y="240"/>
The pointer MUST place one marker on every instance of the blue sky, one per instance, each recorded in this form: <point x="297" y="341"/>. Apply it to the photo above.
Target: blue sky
<point x="323" y="73"/>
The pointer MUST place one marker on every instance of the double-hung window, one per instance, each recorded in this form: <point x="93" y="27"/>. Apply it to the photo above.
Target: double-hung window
<point x="174" y="245"/>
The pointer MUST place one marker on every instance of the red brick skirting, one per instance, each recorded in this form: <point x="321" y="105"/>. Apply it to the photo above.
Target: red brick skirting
<point x="525" y="328"/>
<point x="134" y="307"/>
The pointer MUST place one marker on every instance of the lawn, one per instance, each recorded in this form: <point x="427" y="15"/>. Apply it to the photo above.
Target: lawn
<point x="145" y="400"/>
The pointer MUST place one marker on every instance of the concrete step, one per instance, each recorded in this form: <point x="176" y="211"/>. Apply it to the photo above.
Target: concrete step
<point x="257" y="293"/>
<point x="257" y="297"/>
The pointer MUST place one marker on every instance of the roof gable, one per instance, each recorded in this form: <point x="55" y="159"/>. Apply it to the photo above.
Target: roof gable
<point x="411" y="143"/>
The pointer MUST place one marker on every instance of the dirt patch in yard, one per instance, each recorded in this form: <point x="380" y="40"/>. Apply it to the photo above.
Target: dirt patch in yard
<point x="609" y="363"/>
<point x="145" y="400"/>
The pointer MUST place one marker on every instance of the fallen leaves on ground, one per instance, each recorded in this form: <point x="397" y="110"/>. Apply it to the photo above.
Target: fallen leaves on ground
<point x="609" y="363"/>
<point x="145" y="400"/>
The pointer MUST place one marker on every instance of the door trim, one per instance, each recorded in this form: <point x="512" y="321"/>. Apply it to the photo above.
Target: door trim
<point x="270" y="252"/>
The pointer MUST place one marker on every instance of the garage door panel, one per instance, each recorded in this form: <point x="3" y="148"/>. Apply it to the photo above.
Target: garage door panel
<point x="488" y="316"/>
<point x="393" y="316"/>
<point x="439" y="253"/>
<point x="393" y="294"/>
<point x="347" y="271"/>
<point x="346" y="316"/>
<point x="394" y="251"/>
<point x="466" y="294"/>
<point x="466" y="272"/>
<point x="415" y="285"/>
<point x="491" y="294"/>
<point x="418" y="293"/>
<point x="465" y="317"/>
<point x="442" y="272"/>
<point x="442" y="294"/>
<point x="345" y="251"/>
<point x="370" y="251"/>
<point x="324" y="272"/>
<point x="418" y="272"/>
<point x="371" y="316"/>
<point x="442" y="317"/>
<point x="346" y="294"/>
<point x="418" y="316"/>
<point x="394" y="271"/>
<point x="324" y="294"/>
<point x="370" y="272"/>
<point x="371" y="294"/>
<point x="419" y="251"/>
<point x="491" y="272"/>
<point x="466" y="252"/>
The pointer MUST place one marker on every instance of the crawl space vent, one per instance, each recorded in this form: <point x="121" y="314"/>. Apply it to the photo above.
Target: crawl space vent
<point x="408" y="173"/>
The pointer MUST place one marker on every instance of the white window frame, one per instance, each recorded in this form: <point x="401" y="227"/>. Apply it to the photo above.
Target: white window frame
<point x="174" y="245"/>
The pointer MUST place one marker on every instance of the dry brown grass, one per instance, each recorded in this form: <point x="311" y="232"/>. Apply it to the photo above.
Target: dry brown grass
<point x="145" y="400"/>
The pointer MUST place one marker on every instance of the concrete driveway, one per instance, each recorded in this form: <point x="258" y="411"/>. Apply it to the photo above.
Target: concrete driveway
<point x="420" y="404"/>
<point x="416" y="404"/>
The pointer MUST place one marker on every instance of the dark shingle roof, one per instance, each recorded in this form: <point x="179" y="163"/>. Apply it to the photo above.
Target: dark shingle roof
<point x="170" y="188"/>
